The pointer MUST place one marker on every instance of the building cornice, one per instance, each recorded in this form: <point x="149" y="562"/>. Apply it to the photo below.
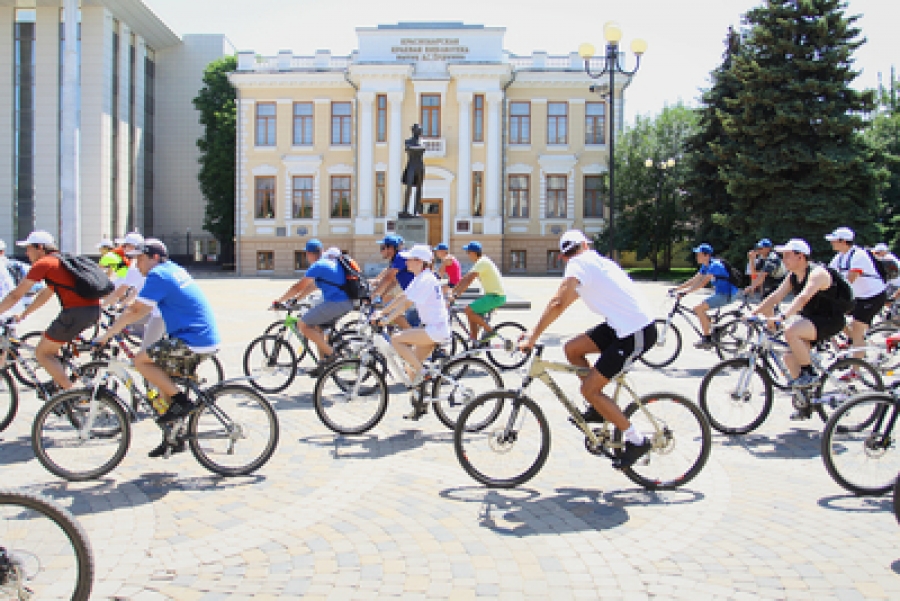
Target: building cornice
<point x="243" y="79"/>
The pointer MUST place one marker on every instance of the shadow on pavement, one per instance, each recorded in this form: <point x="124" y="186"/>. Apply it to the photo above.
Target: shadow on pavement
<point x="896" y="566"/>
<point x="856" y="504"/>
<point x="371" y="446"/>
<point x="17" y="450"/>
<point x="796" y="444"/>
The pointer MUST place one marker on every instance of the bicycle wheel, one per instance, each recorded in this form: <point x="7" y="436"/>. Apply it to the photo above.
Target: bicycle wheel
<point x="351" y="396"/>
<point x="28" y="376"/>
<point x="863" y="460"/>
<point x="731" y="337"/>
<point x="234" y="434"/>
<point x="462" y="380"/>
<point x="681" y="441"/>
<point x="68" y="451"/>
<point x="9" y="400"/>
<point x="845" y="378"/>
<point x="43" y="549"/>
<point x="667" y="347"/>
<point x="897" y="499"/>
<point x="878" y="353"/>
<point x="210" y="372"/>
<point x="736" y="397"/>
<point x="504" y="360"/>
<point x="508" y="451"/>
<point x="271" y="362"/>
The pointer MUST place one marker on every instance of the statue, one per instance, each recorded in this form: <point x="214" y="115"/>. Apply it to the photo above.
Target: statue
<point x="414" y="173"/>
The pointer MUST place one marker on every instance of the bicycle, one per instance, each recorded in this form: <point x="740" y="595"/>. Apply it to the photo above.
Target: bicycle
<point x="99" y="434"/>
<point x="492" y="427"/>
<point x="737" y="394"/>
<point x="44" y="551"/>
<point x="504" y="357"/>
<point x="728" y="333"/>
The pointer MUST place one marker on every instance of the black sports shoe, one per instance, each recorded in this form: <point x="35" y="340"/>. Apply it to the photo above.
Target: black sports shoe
<point x="319" y="370"/>
<point x="705" y="343"/>
<point x="419" y="409"/>
<point x="591" y="416"/>
<point x="160" y="451"/>
<point x="631" y="454"/>
<point x="177" y="410"/>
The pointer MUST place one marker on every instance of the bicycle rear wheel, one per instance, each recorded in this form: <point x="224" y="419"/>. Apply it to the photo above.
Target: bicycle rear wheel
<point x="681" y="440"/>
<point x="351" y="396"/>
<point x="210" y="372"/>
<point x="842" y="380"/>
<point x="731" y="337"/>
<point x="462" y="380"/>
<point x="9" y="400"/>
<point x="505" y="452"/>
<point x="736" y="397"/>
<point x="271" y="362"/>
<point x="667" y="347"/>
<point x="236" y="433"/>
<point x="504" y="360"/>
<point x="43" y="548"/>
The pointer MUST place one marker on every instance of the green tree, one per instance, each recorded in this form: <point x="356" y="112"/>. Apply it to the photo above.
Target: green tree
<point x="216" y="104"/>
<point x="884" y="137"/>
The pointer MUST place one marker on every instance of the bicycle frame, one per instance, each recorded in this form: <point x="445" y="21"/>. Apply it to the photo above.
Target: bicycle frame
<point x="688" y="315"/>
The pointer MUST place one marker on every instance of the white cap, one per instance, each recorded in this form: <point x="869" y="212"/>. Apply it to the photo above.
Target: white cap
<point x="105" y="243"/>
<point x="418" y="251"/>
<point x="332" y="253"/>
<point x="37" y="237"/>
<point x="796" y="245"/>
<point x="132" y="238"/>
<point x="842" y="233"/>
<point x="570" y="239"/>
<point x="2" y="245"/>
<point x="881" y="247"/>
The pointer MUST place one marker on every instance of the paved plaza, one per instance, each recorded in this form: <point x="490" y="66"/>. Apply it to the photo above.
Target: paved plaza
<point x="392" y="514"/>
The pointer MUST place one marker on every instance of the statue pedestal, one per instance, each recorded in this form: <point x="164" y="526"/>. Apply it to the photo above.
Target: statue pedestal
<point x="413" y="230"/>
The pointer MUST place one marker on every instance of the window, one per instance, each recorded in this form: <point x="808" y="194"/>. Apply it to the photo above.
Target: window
<point x="557" y="123"/>
<point x="477" y="194"/>
<point x="340" y="123"/>
<point x="517" y="260"/>
<point x="265" y="124"/>
<point x="594" y="123"/>
<point x="303" y="124"/>
<point x="554" y="261"/>
<point x="431" y="115"/>
<point x="380" y="195"/>
<point x="302" y="207"/>
<point x="265" y="260"/>
<point x="300" y="261"/>
<point x="265" y="198"/>
<point x="518" y="195"/>
<point x="381" y="118"/>
<point x="593" y="196"/>
<point x="340" y="196"/>
<point x="556" y="196"/>
<point x="478" y="118"/>
<point x="520" y="123"/>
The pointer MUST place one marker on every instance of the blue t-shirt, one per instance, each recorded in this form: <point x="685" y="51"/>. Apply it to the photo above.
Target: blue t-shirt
<point x="404" y="275"/>
<point x="329" y="277"/>
<point x="183" y="306"/>
<point x="720" y="277"/>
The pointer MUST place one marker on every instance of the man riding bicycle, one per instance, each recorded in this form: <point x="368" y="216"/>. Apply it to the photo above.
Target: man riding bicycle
<point x="494" y="296"/>
<point x="395" y="274"/>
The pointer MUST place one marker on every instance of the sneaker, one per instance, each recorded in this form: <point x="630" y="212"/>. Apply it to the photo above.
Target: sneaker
<point x="51" y="389"/>
<point x="175" y="412"/>
<point x="419" y="409"/>
<point x="321" y="366"/>
<point x="591" y="416"/>
<point x="631" y="454"/>
<point x="804" y="381"/>
<point x="164" y="446"/>
<point x="704" y="343"/>
<point x="484" y="341"/>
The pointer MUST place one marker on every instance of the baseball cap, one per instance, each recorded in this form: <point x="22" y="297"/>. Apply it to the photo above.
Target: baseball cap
<point x="881" y="247"/>
<point x="332" y="253"/>
<point x="442" y="246"/>
<point x="704" y="248"/>
<point x="313" y="245"/>
<point x="418" y="251"/>
<point x="2" y="245"/>
<point x="796" y="245"/>
<point x="105" y="243"/>
<point x="132" y="239"/>
<point x="393" y="240"/>
<point x="570" y="239"/>
<point x="842" y="233"/>
<point x="473" y="246"/>
<point x="37" y="237"/>
<point x="150" y="247"/>
<point x="764" y="243"/>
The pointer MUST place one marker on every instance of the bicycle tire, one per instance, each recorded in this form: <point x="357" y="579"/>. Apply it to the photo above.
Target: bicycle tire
<point x="838" y="443"/>
<point x="74" y="532"/>
<point x="732" y="337"/>
<point x="329" y="401"/>
<point x="468" y="440"/>
<point x="210" y="372"/>
<point x="275" y="368"/>
<point x="667" y="347"/>
<point x="450" y="396"/>
<point x="214" y="416"/>
<point x="716" y="402"/>
<point x="877" y="336"/>
<point x="664" y="442"/>
<point x="76" y="400"/>
<point x="510" y="332"/>
<point x="897" y="499"/>
<point x="25" y="353"/>
<point x="9" y="399"/>
<point x="867" y="380"/>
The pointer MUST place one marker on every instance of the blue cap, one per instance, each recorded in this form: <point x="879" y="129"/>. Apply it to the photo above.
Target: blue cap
<point x="392" y="240"/>
<point x="764" y="243"/>
<point x="704" y="248"/>
<point x="442" y="246"/>
<point x="313" y="245"/>
<point x="473" y="247"/>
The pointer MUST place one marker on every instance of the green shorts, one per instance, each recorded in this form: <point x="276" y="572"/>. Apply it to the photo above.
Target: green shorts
<point x="486" y="303"/>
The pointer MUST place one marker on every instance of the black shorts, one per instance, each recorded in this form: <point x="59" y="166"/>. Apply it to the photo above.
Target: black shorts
<point x="72" y="322"/>
<point x="827" y="325"/>
<point x="867" y="308"/>
<point x="615" y="352"/>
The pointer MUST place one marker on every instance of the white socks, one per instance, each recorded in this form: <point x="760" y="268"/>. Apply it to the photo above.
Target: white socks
<point x="633" y="436"/>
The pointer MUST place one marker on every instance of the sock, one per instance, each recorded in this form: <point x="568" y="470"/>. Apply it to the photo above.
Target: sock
<point x="633" y="436"/>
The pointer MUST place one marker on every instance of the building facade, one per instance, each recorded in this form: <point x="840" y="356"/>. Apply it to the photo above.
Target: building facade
<point x="516" y="147"/>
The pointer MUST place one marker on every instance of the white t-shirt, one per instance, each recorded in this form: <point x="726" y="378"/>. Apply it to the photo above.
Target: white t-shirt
<point x="7" y="284"/>
<point x="607" y="290"/>
<point x="135" y="279"/>
<point x="425" y="292"/>
<point x="896" y="280"/>
<point x="869" y="283"/>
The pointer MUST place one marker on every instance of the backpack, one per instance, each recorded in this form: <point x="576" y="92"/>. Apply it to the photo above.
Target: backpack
<point x="16" y="270"/>
<point x="843" y="297"/>
<point x="735" y="277"/>
<point x="90" y="281"/>
<point x="886" y="269"/>
<point x="356" y="286"/>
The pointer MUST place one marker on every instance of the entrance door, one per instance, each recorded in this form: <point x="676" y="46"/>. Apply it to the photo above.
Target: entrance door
<point x="433" y="213"/>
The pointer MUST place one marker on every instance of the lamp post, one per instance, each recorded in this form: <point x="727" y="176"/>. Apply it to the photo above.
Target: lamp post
<point x="613" y="34"/>
<point x="662" y="169"/>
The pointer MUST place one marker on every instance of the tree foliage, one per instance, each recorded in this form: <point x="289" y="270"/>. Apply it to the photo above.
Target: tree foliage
<point x="884" y="136"/>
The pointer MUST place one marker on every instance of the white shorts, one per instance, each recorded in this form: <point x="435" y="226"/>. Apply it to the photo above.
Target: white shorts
<point x="439" y="333"/>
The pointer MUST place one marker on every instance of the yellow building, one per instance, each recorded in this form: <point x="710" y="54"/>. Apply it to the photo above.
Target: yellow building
<point x="516" y="147"/>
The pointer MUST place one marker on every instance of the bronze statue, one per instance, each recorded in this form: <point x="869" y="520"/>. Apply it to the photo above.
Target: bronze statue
<point x="414" y="173"/>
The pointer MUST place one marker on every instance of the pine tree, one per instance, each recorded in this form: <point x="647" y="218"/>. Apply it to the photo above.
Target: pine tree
<point x="884" y="136"/>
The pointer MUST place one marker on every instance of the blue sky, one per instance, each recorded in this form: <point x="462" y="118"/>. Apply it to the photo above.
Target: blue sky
<point x="685" y="38"/>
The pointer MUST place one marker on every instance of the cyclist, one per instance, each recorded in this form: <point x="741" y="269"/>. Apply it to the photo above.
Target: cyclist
<point x="723" y="290"/>
<point x="8" y="281"/>
<point x="766" y="269"/>
<point x="450" y="267"/>
<point x="112" y="260"/>
<point x="18" y="270"/>
<point x="327" y="275"/>
<point x="189" y="319"/>
<point x="494" y="296"/>
<point x="396" y="273"/>
<point x="882" y="251"/>
<point x="77" y="312"/>
<point x="627" y="332"/>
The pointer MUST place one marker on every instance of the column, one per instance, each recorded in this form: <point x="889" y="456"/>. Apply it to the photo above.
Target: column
<point x="7" y="131"/>
<point x="70" y="202"/>
<point x="395" y="148"/>
<point x="464" y="175"/>
<point x="365" y="224"/>
<point x="46" y="124"/>
<point x="492" y="220"/>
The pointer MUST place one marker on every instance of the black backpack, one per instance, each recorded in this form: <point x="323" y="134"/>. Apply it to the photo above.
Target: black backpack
<point x="356" y="286"/>
<point x="887" y="269"/>
<point x="735" y="277"/>
<point x="842" y="297"/>
<point x="90" y="281"/>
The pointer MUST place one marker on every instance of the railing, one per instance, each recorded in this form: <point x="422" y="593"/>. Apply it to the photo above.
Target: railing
<point x="434" y="147"/>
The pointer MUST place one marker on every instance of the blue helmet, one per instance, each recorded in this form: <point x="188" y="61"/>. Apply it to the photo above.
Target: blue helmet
<point x="442" y="246"/>
<point x="313" y="245"/>
<point x="704" y="248"/>
<point x="392" y="240"/>
<point x="473" y="247"/>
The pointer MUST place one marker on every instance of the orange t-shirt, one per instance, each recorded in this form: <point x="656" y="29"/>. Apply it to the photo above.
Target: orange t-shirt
<point x="51" y="271"/>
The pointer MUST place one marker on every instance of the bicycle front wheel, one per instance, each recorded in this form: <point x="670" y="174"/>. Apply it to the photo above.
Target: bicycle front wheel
<point x="736" y="397"/>
<point x="351" y="396"/>
<point x="845" y="378"/>
<point x="681" y="440"/>
<point x="9" y="400"/>
<point x="42" y="549"/>
<point x="236" y="433"/>
<point x="509" y="332"/>
<point x="272" y="364"/>
<point x="462" y="380"/>
<point x="77" y="438"/>
<point x="667" y="347"/>
<point x="508" y="451"/>
<point x="859" y="444"/>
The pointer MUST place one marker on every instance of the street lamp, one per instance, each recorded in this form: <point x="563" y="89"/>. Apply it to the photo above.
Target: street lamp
<point x="662" y="169"/>
<point x="613" y="34"/>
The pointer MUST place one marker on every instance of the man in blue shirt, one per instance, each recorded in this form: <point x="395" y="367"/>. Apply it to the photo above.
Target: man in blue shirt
<point x="190" y="323"/>
<point x="723" y="290"/>
<point x="395" y="273"/>
<point x="326" y="274"/>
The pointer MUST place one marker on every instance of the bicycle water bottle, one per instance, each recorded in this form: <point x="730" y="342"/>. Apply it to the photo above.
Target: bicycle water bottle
<point x="159" y="402"/>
